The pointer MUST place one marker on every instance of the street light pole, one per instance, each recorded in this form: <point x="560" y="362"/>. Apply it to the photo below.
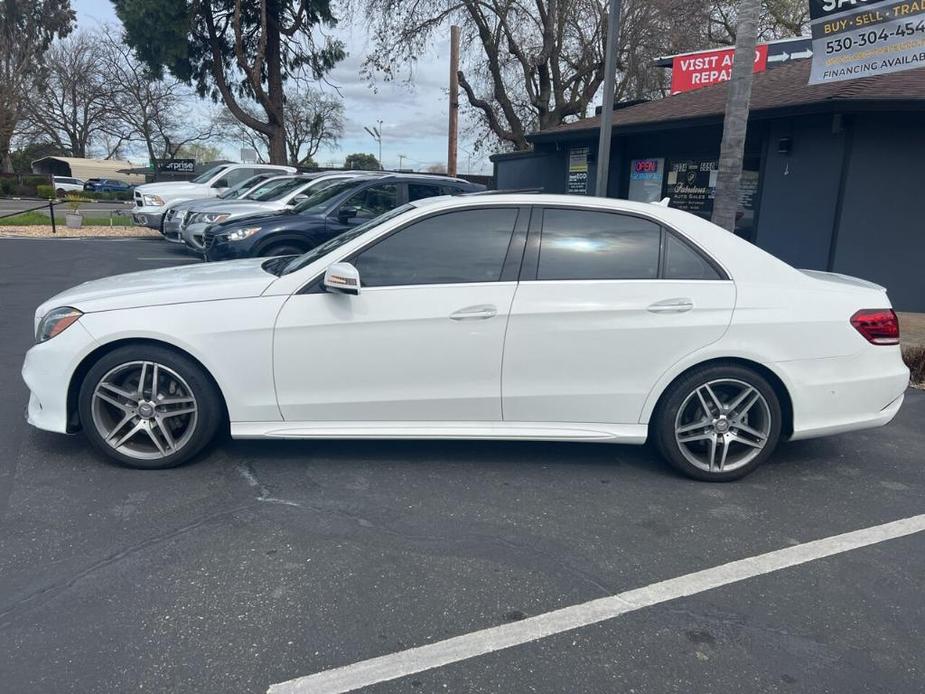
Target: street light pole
<point x="610" y="76"/>
<point x="376" y="134"/>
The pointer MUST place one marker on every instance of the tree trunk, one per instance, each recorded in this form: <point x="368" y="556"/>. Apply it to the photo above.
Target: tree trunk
<point x="277" y="134"/>
<point x="735" y="123"/>
<point x="6" y="157"/>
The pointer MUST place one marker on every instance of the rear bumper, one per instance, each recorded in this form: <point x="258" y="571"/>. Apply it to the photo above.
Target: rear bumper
<point x="839" y="394"/>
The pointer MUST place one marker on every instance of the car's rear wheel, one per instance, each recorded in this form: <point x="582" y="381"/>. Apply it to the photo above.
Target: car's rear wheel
<point x="718" y="423"/>
<point x="149" y="407"/>
<point x="281" y="249"/>
<point x="60" y="192"/>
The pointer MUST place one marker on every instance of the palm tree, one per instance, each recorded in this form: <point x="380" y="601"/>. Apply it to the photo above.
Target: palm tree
<point x="735" y="122"/>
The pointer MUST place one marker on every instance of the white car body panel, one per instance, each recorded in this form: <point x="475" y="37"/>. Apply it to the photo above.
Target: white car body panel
<point x="581" y="360"/>
<point x="400" y="355"/>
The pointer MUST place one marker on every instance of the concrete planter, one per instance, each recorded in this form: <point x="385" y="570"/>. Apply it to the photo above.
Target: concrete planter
<point x="73" y="221"/>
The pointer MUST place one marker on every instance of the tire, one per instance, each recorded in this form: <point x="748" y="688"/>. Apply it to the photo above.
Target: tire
<point x="60" y="192"/>
<point x="734" y="438"/>
<point x="282" y="248"/>
<point x="170" y="425"/>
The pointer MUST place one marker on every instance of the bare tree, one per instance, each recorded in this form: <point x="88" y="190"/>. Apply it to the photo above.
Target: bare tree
<point x="776" y="19"/>
<point x="533" y="64"/>
<point x="73" y="99"/>
<point x="152" y="111"/>
<point x="735" y="123"/>
<point x="27" y="28"/>
<point x="313" y="119"/>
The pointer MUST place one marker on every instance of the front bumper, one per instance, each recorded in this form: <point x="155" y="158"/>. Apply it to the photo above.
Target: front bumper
<point x="47" y="371"/>
<point x="193" y="236"/>
<point x="150" y="217"/>
<point x="218" y="248"/>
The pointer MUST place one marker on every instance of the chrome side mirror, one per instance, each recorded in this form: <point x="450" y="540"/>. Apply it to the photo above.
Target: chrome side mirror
<point x="342" y="278"/>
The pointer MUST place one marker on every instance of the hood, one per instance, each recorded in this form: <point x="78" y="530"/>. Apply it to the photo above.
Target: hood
<point x="281" y="219"/>
<point x="234" y="279"/>
<point x="238" y="207"/>
<point x="173" y="188"/>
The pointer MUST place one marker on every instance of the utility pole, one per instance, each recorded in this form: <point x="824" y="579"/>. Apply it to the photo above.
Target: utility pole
<point x="610" y="77"/>
<point x="401" y="159"/>
<point x="735" y="122"/>
<point x="454" y="101"/>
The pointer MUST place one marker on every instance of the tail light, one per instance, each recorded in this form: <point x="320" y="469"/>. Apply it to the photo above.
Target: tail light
<point x="879" y="326"/>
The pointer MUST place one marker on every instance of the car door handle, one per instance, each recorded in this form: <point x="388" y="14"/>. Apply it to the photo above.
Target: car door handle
<point x="676" y="305"/>
<point x="480" y="312"/>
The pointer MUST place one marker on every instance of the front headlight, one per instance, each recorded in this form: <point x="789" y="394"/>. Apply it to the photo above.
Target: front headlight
<point x="213" y="217"/>
<point x="56" y="322"/>
<point x="241" y="234"/>
<point x="152" y="200"/>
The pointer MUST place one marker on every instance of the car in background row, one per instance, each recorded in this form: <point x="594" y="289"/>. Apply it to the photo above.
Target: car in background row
<point x="275" y="195"/>
<point x="324" y="215"/>
<point x="66" y="184"/>
<point x="106" y="185"/>
<point x="152" y="200"/>
<point x="173" y="217"/>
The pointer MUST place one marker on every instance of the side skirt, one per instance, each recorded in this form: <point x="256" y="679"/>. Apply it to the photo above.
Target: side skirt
<point x="525" y="431"/>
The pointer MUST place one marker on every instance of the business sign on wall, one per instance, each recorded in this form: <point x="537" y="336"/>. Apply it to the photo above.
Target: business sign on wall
<point x="709" y="67"/>
<point x="859" y="38"/>
<point x="691" y="185"/>
<point x="577" y="182"/>
<point x="646" y="179"/>
<point x="176" y="165"/>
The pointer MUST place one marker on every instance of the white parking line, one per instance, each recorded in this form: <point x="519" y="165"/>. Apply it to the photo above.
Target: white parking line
<point x="403" y="663"/>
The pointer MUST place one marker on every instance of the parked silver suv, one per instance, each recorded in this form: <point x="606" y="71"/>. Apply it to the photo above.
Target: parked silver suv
<point x="274" y="195"/>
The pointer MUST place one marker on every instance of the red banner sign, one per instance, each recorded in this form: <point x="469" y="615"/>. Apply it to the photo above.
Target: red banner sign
<point x="697" y="70"/>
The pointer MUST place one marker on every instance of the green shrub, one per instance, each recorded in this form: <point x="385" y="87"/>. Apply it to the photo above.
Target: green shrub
<point x="914" y="356"/>
<point x="45" y="191"/>
<point x="7" y="185"/>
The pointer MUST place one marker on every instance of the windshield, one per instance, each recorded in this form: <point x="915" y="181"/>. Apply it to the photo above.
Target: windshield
<point x="318" y="200"/>
<point x="338" y="241"/>
<point x="236" y="190"/>
<point x="265" y="187"/>
<point x="208" y="174"/>
<point x="277" y="191"/>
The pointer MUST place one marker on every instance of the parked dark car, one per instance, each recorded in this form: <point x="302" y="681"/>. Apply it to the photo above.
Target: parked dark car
<point x="324" y="215"/>
<point x="106" y="185"/>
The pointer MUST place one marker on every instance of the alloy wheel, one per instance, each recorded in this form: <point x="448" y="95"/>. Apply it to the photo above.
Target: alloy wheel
<point x="722" y="425"/>
<point x="144" y="410"/>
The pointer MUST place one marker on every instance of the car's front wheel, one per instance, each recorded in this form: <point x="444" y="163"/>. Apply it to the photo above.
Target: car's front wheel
<point x="149" y="407"/>
<point x="718" y="423"/>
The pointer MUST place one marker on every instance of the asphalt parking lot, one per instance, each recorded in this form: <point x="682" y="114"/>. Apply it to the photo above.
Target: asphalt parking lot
<point x="264" y="562"/>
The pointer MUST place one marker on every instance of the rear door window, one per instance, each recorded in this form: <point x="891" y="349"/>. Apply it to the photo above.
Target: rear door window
<point x="591" y="245"/>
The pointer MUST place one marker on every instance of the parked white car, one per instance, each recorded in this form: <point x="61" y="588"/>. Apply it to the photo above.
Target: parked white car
<point x="508" y="316"/>
<point x="153" y="199"/>
<point x="67" y="184"/>
<point x="277" y="194"/>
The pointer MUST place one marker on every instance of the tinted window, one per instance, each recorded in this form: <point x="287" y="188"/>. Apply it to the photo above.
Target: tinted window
<point x="416" y="191"/>
<point x="235" y="176"/>
<point x="585" y="245"/>
<point x="373" y="201"/>
<point x="466" y="246"/>
<point x="684" y="263"/>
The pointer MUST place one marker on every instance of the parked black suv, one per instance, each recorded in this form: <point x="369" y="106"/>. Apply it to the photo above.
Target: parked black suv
<point x="324" y="215"/>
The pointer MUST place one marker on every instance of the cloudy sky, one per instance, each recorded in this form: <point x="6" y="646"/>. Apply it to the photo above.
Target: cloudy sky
<point x="414" y="118"/>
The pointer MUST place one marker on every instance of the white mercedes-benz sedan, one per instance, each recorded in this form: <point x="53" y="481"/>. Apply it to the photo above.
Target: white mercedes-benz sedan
<point x="509" y="316"/>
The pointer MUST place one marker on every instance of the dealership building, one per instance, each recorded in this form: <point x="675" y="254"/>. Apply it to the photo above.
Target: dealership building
<point x="832" y="172"/>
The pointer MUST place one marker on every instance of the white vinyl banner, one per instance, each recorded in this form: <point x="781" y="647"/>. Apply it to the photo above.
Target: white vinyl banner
<point x="859" y="38"/>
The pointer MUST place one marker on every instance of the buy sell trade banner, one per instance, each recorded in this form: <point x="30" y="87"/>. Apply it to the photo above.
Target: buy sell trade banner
<point x="859" y="38"/>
